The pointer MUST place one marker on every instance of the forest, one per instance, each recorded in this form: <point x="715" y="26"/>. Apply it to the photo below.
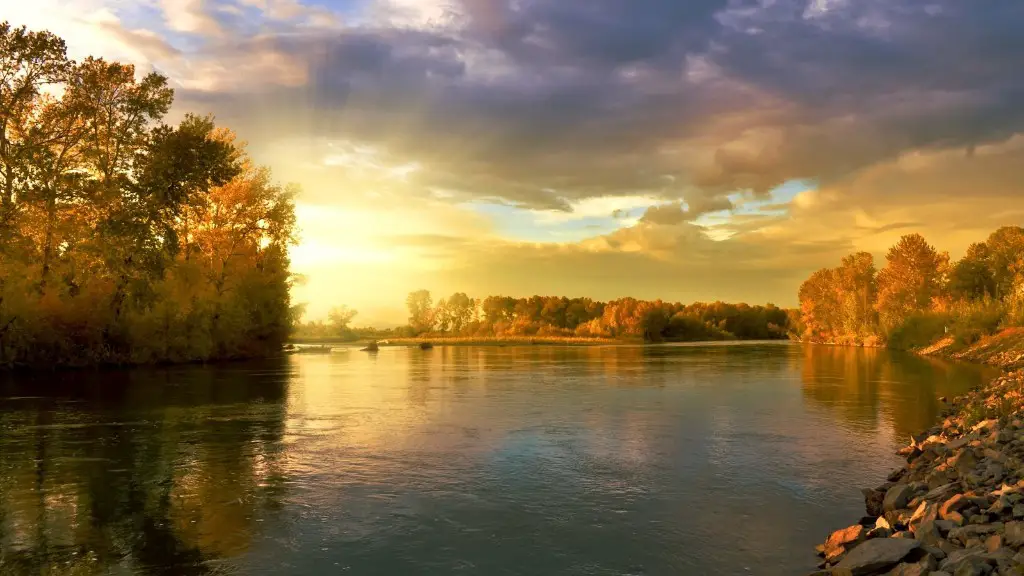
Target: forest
<point x="124" y="239"/>
<point x="551" y="316"/>
<point x="919" y="296"/>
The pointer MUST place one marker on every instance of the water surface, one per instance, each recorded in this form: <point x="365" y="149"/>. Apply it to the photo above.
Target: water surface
<point x="712" y="459"/>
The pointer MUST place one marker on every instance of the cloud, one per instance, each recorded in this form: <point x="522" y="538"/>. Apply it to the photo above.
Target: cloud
<point x="904" y="116"/>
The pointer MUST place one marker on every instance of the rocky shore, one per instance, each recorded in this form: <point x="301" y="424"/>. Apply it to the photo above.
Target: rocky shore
<point x="957" y="507"/>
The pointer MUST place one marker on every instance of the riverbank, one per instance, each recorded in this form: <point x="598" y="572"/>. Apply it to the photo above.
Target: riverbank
<point x="957" y="507"/>
<point x="1004" y="349"/>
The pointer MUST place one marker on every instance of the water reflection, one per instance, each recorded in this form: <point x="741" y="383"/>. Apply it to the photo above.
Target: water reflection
<point x="490" y="460"/>
<point x="867" y="386"/>
<point x="149" y="471"/>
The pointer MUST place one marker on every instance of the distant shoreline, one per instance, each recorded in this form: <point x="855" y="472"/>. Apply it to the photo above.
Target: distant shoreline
<point x="515" y="341"/>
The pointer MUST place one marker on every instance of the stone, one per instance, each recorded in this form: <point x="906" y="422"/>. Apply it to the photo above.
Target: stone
<point x="834" y="552"/>
<point x="973" y="566"/>
<point x="965" y="533"/>
<point x="957" y="556"/>
<point x="925" y="512"/>
<point x="956" y="518"/>
<point x="897" y="497"/>
<point x="978" y="519"/>
<point x="1014" y="535"/>
<point x="881" y="522"/>
<point x="873" y="500"/>
<point x="944" y="526"/>
<point x="876" y="555"/>
<point x="965" y="462"/>
<point x="896" y="474"/>
<point x="986" y="425"/>
<point x="920" y="568"/>
<point x="954" y="504"/>
<point x="848" y="535"/>
<point x="935" y="552"/>
<point x="938" y="482"/>
<point x="928" y="534"/>
<point x="1018" y="511"/>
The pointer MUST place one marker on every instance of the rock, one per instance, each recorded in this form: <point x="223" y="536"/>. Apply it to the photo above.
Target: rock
<point x="896" y="474"/>
<point x="986" y="425"/>
<point x="978" y="519"/>
<point x="957" y="556"/>
<point x="834" y="552"/>
<point x="881" y="522"/>
<point x="873" y="500"/>
<point x="965" y="462"/>
<point x="944" y="526"/>
<point x="922" y="567"/>
<point x="848" y="535"/>
<point x="927" y="533"/>
<point x="897" y="497"/>
<point x="973" y="566"/>
<point x="1018" y="511"/>
<point x="936" y="553"/>
<point x="956" y="518"/>
<point x="993" y="543"/>
<point x="940" y="492"/>
<point x="940" y="573"/>
<point x="954" y="504"/>
<point x="1014" y="535"/>
<point x="925" y="512"/>
<point x="875" y="555"/>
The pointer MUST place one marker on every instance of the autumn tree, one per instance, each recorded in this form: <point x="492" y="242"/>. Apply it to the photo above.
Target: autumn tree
<point x="913" y="277"/>
<point x="421" y="311"/>
<point x="123" y="239"/>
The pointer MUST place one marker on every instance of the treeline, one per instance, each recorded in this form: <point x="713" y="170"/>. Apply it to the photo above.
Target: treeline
<point x="629" y="318"/>
<point x="919" y="296"/>
<point x="553" y="316"/>
<point x="123" y="239"/>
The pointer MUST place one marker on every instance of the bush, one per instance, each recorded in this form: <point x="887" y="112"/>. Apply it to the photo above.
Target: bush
<point x="919" y="330"/>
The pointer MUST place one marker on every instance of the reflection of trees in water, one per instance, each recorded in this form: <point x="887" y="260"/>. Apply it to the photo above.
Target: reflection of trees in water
<point x="862" y="384"/>
<point x="122" y="469"/>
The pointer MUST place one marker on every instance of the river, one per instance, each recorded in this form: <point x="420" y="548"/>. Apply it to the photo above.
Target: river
<point x="532" y="460"/>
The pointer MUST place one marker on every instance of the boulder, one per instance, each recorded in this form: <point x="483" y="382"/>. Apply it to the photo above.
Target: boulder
<point x="993" y="543"/>
<point x="928" y="534"/>
<point x="873" y="500"/>
<point x="897" y="497"/>
<point x="958" y="556"/>
<point x="848" y="535"/>
<point x="875" y="555"/>
<point x="954" y="504"/>
<point x="965" y="533"/>
<point x="925" y="512"/>
<point x="972" y="566"/>
<point x="1014" y="534"/>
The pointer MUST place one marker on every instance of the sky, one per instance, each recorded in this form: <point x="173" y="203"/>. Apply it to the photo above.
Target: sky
<point x="698" y="150"/>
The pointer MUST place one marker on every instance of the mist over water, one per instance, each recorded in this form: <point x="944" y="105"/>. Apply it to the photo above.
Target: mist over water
<point x="708" y="459"/>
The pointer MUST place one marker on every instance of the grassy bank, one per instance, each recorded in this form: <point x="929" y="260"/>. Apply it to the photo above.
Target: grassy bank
<point x="1004" y="349"/>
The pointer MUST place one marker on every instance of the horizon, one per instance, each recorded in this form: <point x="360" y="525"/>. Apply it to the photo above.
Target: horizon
<point x="548" y="148"/>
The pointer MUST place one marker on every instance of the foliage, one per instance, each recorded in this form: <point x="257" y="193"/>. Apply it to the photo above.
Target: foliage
<point x="918" y="297"/>
<point x="122" y="239"/>
<point x="626" y="318"/>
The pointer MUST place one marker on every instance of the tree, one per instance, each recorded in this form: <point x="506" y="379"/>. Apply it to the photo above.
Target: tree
<point x="972" y="277"/>
<point x="339" y="319"/>
<point x="460" y="311"/>
<point x="857" y="293"/>
<point x="911" y="280"/>
<point x="29" y="61"/>
<point x="421" y="311"/>
<point x="1006" y="259"/>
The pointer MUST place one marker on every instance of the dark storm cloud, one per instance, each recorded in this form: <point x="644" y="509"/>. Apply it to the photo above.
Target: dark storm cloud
<point x="541" y="102"/>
